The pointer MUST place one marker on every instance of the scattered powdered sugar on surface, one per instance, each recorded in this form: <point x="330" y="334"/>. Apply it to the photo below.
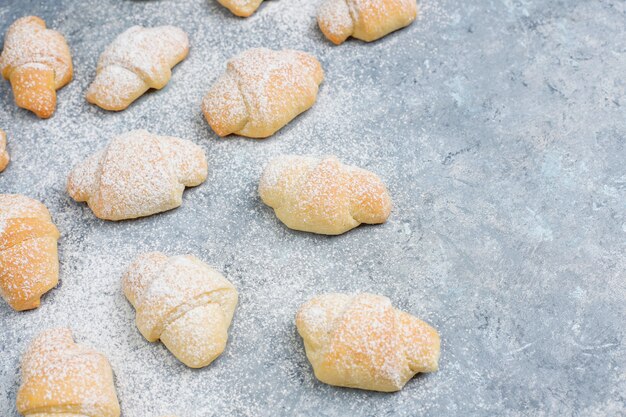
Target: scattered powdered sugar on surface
<point x="263" y="370"/>
<point x="409" y="107"/>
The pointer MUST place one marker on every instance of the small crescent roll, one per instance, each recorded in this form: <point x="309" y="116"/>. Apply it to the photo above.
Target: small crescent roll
<point x="322" y="195"/>
<point x="37" y="62"/>
<point x="242" y="8"/>
<point x="4" y="155"/>
<point x="137" y="174"/>
<point x="137" y="60"/>
<point x="29" y="263"/>
<point x="261" y="91"/>
<point x="183" y="302"/>
<point x="362" y="341"/>
<point x="63" y="379"/>
<point x="367" y="20"/>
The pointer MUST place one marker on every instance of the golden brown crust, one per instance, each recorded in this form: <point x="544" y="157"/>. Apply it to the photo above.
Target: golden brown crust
<point x="37" y="62"/>
<point x="241" y="8"/>
<point x="4" y="155"/>
<point x="60" y="377"/>
<point x="29" y="265"/>
<point x="367" y="20"/>
<point x="261" y="91"/>
<point x="184" y="303"/>
<point x="361" y="341"/>
<point x="322" y="195"/>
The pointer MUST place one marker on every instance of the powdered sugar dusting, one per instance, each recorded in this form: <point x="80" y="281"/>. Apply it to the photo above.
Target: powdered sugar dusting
<point x="360" y="341"/>
<point x="364" y="19"/>
<point x="60" y="376"/>
<point x="28" y="42"/>
<point x="323" y="195"/>
<point x="262" y="91"/>
<point x="183" y="302"/>
<point x="138" y="59"/>
<point x="242" y="8"/>
<point x="138" y="174"/>
<point x="28" y="251"/>
<point x="263" y="370"/>
<point x="4" y="154"/>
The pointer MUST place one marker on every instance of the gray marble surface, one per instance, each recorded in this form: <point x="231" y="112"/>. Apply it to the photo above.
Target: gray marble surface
<point x="499" y="126"/>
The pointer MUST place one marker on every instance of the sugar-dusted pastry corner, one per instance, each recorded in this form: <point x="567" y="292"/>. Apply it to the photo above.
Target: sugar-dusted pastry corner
<point x="4" y="154"/>
<point x="137" y="174"/>
<point x="183" y="302"/>
<point x="138" y="59"/>
<point x="241" y="8"/>
<point x="63" y="378"/>
<point x="261" y="91"/>
<point x="364" y="20"/>
<point x="29" y="263"/>
<point x="323" y="195"/>
<point x="37" y="62"/>
<point x="362" y="341"/>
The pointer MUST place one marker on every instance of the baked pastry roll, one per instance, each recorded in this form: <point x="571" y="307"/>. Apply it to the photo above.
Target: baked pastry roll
<point x="137" y="60"/>
<point x="362" y="341"/>
<point x="4" y="155"/>
<point x="183" y="302"/>
<point x="62" y="378"/>
<point x="366" y="20"/>
<point x="242" y="8"/>
<point x="37" y="62"/>
<point x="322" y="195"/>
<point x="29" y="263"/>
<point x="261" y="91"/>
<point x="137" y="174"/>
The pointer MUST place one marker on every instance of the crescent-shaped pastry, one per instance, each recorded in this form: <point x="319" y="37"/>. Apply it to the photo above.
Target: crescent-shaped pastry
<point x="241" y="8"/>
<point x="29" y="263"/>
<point x="37" y="62"/>
<point x="4" y="155"/>
<point x="322" y="195"/>
<point x="137" y="174"/>
<point x="65" y="379"/>
<point x="183" y="302"/>
<point x="362" y="341"/>
<point x="137" y="60"/>
<point x="261" y="91"/>
<point x="367" y="20"/>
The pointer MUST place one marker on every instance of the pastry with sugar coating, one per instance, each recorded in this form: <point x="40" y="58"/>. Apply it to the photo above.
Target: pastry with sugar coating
<point x="137" y="174"/>
<point x="367" y="20"/>
<point x="261" y="91"/>
<point x="137" y="60"/>
<point x="65" y="379"/>
<point x="29" y="262"/>
<point x="322" y="195"/>
<point x="4" y="155"/>
<point x="37" y="62"/>
<point x="241" y="8"/>
<point x="362" y="341"/>
<point x="183" y="302"/>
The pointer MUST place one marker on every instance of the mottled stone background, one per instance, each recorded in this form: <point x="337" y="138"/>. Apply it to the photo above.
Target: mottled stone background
<point x="500" y="128"/>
